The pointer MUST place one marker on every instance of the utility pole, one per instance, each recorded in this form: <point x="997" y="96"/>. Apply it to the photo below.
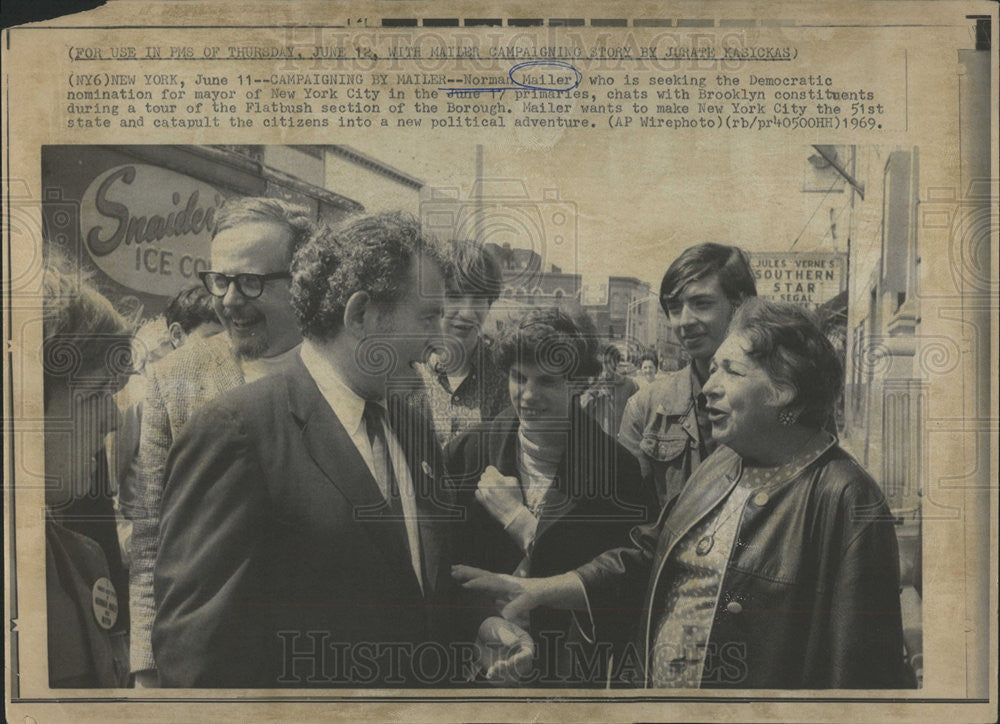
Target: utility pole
<point x="477" y="186"/>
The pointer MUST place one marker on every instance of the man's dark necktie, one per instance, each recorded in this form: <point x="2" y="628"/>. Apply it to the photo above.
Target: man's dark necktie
<point x="375" y="419"/>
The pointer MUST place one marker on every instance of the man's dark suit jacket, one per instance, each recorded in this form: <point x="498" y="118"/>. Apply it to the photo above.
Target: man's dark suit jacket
<point x="268" y="576"/>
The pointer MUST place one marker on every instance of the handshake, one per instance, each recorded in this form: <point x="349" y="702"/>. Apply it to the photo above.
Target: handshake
<point x="506" y="651"/>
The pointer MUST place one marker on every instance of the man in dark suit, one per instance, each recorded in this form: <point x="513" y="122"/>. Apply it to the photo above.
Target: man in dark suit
<point x="302" y="540"/>
<point x="253" y="243"/>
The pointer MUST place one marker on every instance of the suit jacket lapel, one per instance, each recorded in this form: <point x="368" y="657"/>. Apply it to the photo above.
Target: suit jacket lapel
<point x="587" y="457"/>
<point x="557" y="505"/>
<point x="335" y="454"/>
<point x="416" y="438"/>
<point x="502" y="444"/>
<point x="704" y="490"/>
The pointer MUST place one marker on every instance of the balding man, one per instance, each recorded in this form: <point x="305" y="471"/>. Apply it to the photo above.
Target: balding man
<point x="252" y="248"/>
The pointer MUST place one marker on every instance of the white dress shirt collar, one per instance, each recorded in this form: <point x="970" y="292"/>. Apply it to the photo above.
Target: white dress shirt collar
<point x="347" y="405"/>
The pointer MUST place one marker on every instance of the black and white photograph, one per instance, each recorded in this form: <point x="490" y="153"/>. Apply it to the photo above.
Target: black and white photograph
<point x="445" y="368"/>
<point x="562" y="428"/>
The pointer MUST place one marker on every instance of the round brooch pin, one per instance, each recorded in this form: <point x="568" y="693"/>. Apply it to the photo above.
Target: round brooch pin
<point x="104" y="599"/>
<point x="704" y="545"/>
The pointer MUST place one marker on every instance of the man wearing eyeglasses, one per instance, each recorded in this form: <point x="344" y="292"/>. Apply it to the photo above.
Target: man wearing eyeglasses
<point x="249" y="281"/>
<point x="250" y="288"/>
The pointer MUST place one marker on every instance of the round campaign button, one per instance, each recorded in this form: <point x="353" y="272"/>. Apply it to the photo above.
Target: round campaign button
<point x="105" y="602"/>
<point x="760" y="499"/>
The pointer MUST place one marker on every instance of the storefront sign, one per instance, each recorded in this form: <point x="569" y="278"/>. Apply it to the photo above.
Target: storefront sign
<point x="808" y="278"/>
<point x="149" y="228"/>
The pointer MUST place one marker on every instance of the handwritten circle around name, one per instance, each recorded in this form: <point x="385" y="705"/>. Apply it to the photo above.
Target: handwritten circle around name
<point x="546" y="70"/>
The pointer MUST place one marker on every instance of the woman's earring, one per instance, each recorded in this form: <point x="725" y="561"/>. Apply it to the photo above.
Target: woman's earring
<point x="788" y="417"/>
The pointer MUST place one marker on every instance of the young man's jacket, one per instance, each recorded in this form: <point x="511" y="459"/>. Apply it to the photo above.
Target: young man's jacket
<point x="660" y="427"/>
<point x="87" y="649"/>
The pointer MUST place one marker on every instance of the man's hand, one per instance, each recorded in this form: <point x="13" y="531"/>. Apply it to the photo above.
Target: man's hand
<point x="147" y="679"/>
<point x="506" y="651"/>
<point x="500" y="495"/>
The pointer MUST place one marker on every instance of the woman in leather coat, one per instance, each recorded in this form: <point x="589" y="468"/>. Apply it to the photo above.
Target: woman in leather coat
<point x="776" y="566"/>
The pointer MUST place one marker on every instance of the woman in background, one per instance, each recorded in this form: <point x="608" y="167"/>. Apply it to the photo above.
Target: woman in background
<point x="649" y="365"/>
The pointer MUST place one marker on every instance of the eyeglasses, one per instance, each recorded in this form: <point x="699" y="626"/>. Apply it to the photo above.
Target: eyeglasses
<point x="249" y="285"/>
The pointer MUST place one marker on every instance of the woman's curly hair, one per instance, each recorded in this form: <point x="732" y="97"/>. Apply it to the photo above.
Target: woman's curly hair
<point x="561" y="343"/>
<point x="786" y="341"/>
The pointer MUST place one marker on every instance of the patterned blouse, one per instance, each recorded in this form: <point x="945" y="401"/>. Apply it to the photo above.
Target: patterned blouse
<point x="480" y="397"/>
<point x="696" y="567"/>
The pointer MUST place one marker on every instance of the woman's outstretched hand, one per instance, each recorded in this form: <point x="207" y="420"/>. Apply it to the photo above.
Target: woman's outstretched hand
<point x="519" y="596"/>
<point x="515" y="597"/>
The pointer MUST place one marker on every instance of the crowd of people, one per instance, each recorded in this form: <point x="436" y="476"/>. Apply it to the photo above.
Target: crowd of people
<point x="328" y="471"/>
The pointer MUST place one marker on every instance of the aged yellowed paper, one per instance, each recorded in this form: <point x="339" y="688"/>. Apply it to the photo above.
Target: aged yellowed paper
<point x="849" y="147"/>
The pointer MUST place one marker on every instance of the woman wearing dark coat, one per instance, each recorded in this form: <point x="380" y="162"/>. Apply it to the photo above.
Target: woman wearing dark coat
<point x="544" y="487"/>
<point x="777" y="565"/>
